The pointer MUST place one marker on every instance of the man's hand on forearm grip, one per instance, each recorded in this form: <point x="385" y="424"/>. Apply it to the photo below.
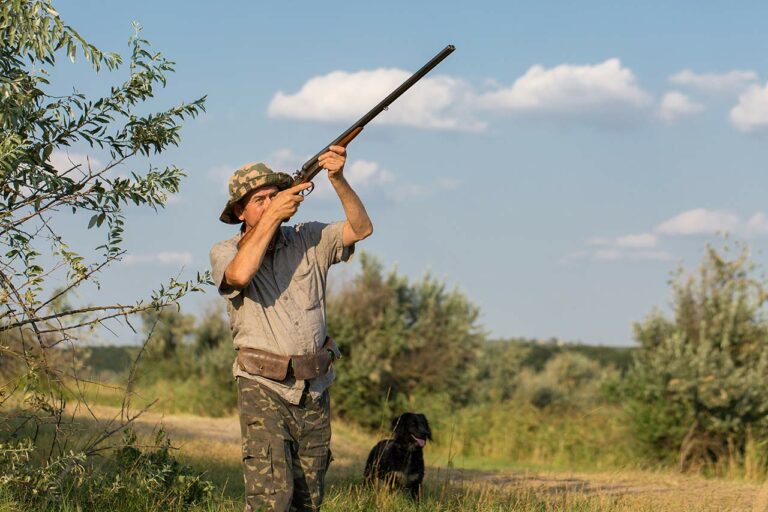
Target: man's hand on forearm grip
<point x="286" y="203"/>
<point x="333" y="161"/>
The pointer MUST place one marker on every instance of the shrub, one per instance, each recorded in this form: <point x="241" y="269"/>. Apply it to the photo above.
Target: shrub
<point x="569" y="379"/>
<point x="698" y="387"/>
<point x="399" y="339"/>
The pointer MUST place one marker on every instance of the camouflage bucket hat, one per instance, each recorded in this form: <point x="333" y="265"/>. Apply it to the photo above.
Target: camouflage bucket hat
<point x="247" y="178"/>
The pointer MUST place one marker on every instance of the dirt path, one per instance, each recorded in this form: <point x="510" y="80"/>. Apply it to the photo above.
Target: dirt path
<point x="674" y="491"/>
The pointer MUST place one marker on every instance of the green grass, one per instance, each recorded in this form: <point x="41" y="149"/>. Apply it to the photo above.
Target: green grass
<point x="510" y="438"/>
<point x="473" y="487"/>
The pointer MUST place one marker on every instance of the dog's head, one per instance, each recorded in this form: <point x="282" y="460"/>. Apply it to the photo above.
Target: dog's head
<point x="412" y="430"/>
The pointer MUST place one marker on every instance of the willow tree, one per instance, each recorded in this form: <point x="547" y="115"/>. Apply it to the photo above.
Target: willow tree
<point x="39" y="266"/>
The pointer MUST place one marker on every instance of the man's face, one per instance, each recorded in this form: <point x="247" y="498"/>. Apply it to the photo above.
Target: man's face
<point x="252" y="206"/>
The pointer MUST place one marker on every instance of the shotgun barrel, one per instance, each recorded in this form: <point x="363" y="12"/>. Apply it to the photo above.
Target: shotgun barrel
<point x="311" y="167"/>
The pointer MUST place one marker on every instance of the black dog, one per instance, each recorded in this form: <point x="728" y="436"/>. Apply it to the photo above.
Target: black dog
<point x="399" y="462"/>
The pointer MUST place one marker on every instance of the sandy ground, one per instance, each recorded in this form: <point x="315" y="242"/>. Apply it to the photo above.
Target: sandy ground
<point x="670" y="490"/>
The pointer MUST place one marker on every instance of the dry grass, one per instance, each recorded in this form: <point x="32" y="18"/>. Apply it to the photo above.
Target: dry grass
<point x="212" y="445"/>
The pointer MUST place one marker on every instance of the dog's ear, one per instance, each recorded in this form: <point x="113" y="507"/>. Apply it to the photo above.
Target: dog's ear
<point x="426" y="425"/>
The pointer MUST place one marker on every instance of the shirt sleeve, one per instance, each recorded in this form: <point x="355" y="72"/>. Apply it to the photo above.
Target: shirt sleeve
<point x="221" y="254"/>
<point x="328" y="240"/>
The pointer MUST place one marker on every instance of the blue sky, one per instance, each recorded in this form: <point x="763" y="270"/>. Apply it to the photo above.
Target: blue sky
<point x="555" y="168"/>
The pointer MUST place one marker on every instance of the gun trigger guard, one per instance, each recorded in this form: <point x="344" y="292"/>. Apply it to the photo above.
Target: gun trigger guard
<point x="307" y="191"/>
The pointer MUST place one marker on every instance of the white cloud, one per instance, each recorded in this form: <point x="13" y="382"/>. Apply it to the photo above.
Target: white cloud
<point x="163" y="258"/>
<point x="361" y="174"/>
<point x="638" y="241"/>
<point x="364" y="174"/>
<point x="715" y="82"/>
<point x="625" y="248"/>
<point x="618" y="255"/>
<point x="757" y="224"/>
<point x="600" y="241"/>
<point x="675" y="105"/>
<point x="437" y="102"/>
<point x="699" y="221"/>
<point x="606" y="89"/>
<point x="608" y="255"/>
<point x="708" y="222"/>
<point x="79" y="163"/>
<point x="642" y="240"/>
<point x="751" y="113"/>
<point x="651" y="256"/>
<point x="643" y="246"/>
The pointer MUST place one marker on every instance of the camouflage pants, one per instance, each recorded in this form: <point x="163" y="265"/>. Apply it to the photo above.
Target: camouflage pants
<point x="286" y="448"/>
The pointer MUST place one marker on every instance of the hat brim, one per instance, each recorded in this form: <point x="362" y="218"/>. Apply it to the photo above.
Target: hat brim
<point x="280" y="180"/>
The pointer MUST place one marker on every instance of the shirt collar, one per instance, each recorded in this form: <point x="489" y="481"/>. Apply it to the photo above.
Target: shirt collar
<point x="280" y="240"/>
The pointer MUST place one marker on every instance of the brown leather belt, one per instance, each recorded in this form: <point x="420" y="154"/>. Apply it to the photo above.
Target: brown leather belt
<point x="280" y="367"/>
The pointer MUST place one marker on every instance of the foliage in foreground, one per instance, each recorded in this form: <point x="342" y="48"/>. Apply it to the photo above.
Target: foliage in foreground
<point x="44" y="192"/>
<point x="133" y="478"/>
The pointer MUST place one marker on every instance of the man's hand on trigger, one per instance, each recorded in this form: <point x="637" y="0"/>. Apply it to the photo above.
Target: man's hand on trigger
<point x="333" y="160"/>
<point x="285" y="204"/>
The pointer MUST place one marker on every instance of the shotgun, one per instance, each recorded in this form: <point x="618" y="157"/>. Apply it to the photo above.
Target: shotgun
<point x="311" y="167"/>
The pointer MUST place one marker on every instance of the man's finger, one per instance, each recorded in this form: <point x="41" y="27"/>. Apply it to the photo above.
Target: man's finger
<point x="298" y="188"/>
<point x="339" y="150"/>
<point x="329" y="155"/>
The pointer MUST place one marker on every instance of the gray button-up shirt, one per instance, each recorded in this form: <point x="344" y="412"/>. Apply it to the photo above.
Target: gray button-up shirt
<point x="282" y="310"/>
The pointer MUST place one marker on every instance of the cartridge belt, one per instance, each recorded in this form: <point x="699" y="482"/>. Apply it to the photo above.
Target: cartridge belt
<point x="279" y="367"/>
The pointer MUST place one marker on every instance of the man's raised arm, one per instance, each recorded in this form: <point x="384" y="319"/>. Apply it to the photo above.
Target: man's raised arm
<point x="358" y="224"/>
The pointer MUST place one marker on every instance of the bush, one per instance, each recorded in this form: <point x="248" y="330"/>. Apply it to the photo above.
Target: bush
<point x="399" y="339"/>
<point x="132" y="479"/>
<point x="698" y="389"/>
<point x="569" y="379"/>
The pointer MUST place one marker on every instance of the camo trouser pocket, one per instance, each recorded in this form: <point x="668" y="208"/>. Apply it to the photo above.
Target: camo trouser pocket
<point x="265" y="471"/>
<point x="259" y="469"/>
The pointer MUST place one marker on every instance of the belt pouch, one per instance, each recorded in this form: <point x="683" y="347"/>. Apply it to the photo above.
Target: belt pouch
<point x="264" y="364"/>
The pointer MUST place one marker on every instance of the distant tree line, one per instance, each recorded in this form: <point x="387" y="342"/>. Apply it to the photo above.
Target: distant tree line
<point x="694" y="391"/>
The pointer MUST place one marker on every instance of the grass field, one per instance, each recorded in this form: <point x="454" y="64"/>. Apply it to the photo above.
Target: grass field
<point x="485" y="458"/>
<point x="211" y="446"/>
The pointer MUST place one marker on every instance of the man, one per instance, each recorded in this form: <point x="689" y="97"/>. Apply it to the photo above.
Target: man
<point x="273" y="277"/>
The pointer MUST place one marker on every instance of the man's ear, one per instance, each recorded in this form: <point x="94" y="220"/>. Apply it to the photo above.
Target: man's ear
<point x="238" y="211"/>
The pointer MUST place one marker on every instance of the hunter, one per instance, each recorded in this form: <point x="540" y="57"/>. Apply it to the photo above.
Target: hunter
<point x="273" y="277"/>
